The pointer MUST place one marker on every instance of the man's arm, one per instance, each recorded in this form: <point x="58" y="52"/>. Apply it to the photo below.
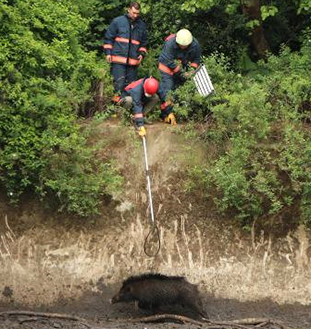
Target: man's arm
<point x="110" y="35"/>
<point x="197" y="58"/>
<point x="165" y="106"/>
<point x="167" y="57"/>
<point x="142" y="50"/>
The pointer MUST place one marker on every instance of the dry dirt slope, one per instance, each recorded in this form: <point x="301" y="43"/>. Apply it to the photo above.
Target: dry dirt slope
<point x="55" y="263"/>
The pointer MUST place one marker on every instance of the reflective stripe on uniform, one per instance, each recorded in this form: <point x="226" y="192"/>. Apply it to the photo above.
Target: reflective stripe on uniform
<point x="133" y="84"/>
<point x="170" y="37"/>
<point x="119" y="39"/>
<point x="167" y="70"/>
<point x="138" y="115"/>
<point x="195" y="65"/>
<point x="123" y="60"/>
<point x="107" y="46"/>
<point x="142" y="49"/>
<point x="133" y="61"/>
<point x="116" y="98"/>
<point x="163" y="106"/>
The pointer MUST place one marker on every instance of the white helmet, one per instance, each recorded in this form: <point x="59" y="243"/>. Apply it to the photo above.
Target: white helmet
<point x="184" y="37"/>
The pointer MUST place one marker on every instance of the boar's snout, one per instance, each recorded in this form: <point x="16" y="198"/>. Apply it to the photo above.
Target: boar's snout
<point x="114" y="299"/>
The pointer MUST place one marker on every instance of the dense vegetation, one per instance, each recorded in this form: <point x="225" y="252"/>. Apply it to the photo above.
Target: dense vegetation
<point x="259" y="125"/>
<point x="46" y="78"/>
<point x="257" y="52"/>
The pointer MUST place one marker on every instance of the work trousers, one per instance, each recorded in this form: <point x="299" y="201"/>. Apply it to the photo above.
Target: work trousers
<point x="169" y="82"/>
<point x="122" y="76"/>
<point x="148" y="106"/>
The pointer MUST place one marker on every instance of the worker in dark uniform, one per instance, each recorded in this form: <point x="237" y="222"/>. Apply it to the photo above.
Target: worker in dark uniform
<point x="143" y="95"/>
<point x="125" y="47"/>
<point x="178" y="60"/>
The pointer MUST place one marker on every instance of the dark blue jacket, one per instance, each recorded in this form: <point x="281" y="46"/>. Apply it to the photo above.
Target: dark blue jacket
<point x="136" y="90"/>
<point x="125" y="40"/>
<point x="172" y="52"/>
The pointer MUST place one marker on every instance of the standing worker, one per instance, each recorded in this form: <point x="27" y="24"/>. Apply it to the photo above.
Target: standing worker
<point x="125" y="47"/>
<point x="143" y="95"/>
<point x="181" y="53"/>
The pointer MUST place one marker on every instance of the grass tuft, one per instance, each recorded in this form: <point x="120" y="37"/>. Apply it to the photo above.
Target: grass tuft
<point x="40" y="272"/>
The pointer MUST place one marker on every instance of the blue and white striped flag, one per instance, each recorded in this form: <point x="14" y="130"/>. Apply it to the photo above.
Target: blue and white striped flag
<point x="203" y="82"/>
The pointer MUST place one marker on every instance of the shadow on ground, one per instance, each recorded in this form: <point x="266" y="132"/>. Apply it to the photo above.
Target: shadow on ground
<point x="96" y="309"/>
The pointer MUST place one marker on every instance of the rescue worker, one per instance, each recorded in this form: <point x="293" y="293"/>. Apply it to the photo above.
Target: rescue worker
<point x="178" y="60"/>
<point x="143" y="95"/>
<point x="125" y="47"/>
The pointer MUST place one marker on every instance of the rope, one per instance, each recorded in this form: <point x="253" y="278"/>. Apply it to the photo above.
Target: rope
<point x="154" y="227"/>
<point x="156" y="230"/>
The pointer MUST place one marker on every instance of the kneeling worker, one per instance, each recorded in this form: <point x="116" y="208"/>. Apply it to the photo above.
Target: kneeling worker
<point x="143" y="94"/>
<point x="181" y="53"/>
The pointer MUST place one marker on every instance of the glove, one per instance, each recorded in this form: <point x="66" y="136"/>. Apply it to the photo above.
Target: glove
<point x="170" y="119"/>
<point x="141" y="131"/>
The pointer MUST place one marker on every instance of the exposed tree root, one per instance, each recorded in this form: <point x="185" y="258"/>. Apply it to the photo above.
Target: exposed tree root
<point x="250" y="323"/>
<point x="158" y="317"/>
<point x="36" y="316"/>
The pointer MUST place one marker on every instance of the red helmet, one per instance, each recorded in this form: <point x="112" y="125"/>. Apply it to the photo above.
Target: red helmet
<point x="151" y="86"/>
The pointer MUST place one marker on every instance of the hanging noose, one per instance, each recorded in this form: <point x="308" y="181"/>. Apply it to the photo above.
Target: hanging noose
<point x="154" y="231"/>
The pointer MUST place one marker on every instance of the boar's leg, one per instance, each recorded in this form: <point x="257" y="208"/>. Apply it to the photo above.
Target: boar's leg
<point x="148" y="306"/>
<point x="195" y="305"/>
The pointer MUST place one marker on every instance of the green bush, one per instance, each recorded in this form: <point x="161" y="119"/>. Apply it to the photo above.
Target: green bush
<point x="76" y="176"/>
<point x="261" y="132"/>
<point x="46" y="77"/>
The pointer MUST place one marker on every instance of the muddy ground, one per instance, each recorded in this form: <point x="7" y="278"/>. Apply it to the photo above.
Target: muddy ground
<point x="65" y="270"/>
<point x="95" y="310"/>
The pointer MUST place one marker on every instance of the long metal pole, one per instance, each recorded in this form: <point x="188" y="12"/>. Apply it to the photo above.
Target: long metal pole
<point x="148" y="180"/>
